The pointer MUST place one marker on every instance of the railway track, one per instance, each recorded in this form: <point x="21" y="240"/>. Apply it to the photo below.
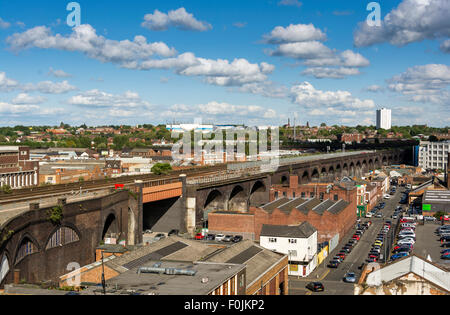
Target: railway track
<point x="54" y="190"/>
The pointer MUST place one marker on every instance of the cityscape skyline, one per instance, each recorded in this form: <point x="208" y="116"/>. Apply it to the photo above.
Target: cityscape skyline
<point x="258" y="63"/>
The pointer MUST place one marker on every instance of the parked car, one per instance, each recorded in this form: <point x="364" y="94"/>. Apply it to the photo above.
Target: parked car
<point x="342" y="255"/>
<point x="446" y="245"/>
<point x="173" y="232"/>
<point x="227" y="238"/>
<point x="445" y="251"/>
<point x="445" y="256"/>
<point x="199" y="236"/>
<point x="368" y="215"/>
<point x="333" y="264"/>
<point x="379" y="215"/>
<point x="159" y="236"/>
<point x="406" y="241"/>
<point x="315" y="286"/>
<point x="210" y="237"/>
<point x="220" y="237"/>
<point x="399" y="255"/>
<point x="429" y="218"/>
<point x="350" y="277"/>
<point x="387" y="196"/>
<point x="237" y="239"/>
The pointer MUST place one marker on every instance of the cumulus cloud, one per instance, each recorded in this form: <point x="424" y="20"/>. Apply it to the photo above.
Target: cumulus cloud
<point x="84" y="39"/>
<point x="141" y="55"/>
<point x="225" y="111"/>
<point x="295" y="33"/>
<point x="306" y="95"/>
<point x="49" y="87"/>
<point x="426" y="83"/>
<point x="11" y="109"/>
<point x="99" y="99"/>
<point x="304" y="42"/>
<point x="412" y="21"/>
<point x="180" y="18"/>
<point x="7" y="84"/>
<point x="26" y="99"/>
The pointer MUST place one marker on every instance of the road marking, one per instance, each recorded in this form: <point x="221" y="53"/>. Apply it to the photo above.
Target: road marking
<point x="326" y="273"/>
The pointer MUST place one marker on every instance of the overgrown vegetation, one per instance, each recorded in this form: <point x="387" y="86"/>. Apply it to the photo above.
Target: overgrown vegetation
<point x="55" y="214"/>
<point x="6" y="189"/>
<point x="161" y="169"/>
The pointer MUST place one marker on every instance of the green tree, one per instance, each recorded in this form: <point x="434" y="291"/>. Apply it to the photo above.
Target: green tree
<point x="161" y="168"/>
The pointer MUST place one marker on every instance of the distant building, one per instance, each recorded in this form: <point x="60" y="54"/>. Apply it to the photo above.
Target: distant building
<point x="16" y="168"/>
<point x="434" y="155"/>
<point x="384" y="119"/>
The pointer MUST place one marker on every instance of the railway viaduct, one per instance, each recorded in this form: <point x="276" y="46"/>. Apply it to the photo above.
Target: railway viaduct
<point x="41" y="241"/>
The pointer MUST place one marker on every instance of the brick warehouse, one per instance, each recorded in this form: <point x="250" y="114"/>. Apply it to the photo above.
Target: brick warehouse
<point x="16" y="168"/>
<point x="328" y="217"/>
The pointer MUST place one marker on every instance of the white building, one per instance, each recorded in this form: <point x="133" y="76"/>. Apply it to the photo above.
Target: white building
<point x="298" y="242"/>
<point x="384" y="119"/>
<point x="433" y="155"/>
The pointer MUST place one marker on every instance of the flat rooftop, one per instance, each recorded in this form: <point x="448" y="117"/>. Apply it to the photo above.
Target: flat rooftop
<point x="436" y="196"/>
<point x="208" y="276"/>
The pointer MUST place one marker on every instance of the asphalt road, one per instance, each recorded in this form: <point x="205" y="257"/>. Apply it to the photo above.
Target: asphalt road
<point x="332" y="279"/>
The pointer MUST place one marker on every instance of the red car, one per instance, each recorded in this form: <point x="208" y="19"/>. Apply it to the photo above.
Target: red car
<point x="356" y="237"/>
<point x="342" y="255"/>
<point x="199" y="236"/>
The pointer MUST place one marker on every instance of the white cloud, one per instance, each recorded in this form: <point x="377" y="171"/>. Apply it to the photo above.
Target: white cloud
<point x="291" y="3"/>
<point x="180" y="18"/>
<point x="304" y="42"/>
<point x="7" y="84"/>
<point x="374" y="88"/>
<point x="333" y="73"/>
<point x="4" y="24"/>
<point x="412" y="21"/>
<point x="306" y="95"/>
<point x="295" y="33"/>
<point x="445" y="46"/>
<point x="49" y="87"/>
<point x="99" y="99"/>
<point x="25" y="99"/>
<point x="59" y="73"/>
<point x="10" y="109"/>
<point x="85" y="40"/>
<point x="140" y="55"/>
<point x="426" y="84"/>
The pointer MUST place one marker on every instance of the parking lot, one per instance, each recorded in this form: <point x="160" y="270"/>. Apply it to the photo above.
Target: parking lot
<point x="428" y="243"/>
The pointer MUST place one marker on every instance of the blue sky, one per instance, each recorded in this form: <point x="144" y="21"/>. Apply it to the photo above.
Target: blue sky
<point x="252" y="61"/>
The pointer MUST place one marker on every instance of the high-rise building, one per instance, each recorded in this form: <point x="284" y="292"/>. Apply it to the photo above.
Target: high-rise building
<point x="384" y="119"/>
<point x="434" y="155"/>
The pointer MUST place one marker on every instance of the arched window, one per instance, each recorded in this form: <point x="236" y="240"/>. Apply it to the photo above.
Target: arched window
<point x="4" y="267"/>
<point x="61" y="237"/>
<point x="26" y="248"/>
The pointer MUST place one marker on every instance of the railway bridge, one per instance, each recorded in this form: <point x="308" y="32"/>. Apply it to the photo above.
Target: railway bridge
<point x="44" y="230"/>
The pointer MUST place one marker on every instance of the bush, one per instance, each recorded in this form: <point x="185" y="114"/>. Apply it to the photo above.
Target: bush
<point x="55" y="214"/>
<point x="161" y="168"/>
<point x="6" y="189"/>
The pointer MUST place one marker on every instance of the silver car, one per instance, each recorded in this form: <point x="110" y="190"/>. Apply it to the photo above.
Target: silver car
<point x="350" y="277"/>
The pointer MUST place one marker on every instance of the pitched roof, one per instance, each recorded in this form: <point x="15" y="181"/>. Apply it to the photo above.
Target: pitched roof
<point x="411" y="264"/>
<point x="275" y="204"/>
<point x="303" y="230"/>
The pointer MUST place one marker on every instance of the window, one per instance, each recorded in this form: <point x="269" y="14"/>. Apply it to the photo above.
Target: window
<point x="312" y="195"/>
<point x="293" y="194"/>
<point x="292" y="253"/>
<point x="26" y="248"/>
<point x="322" y="195"/>
<point x="61" y="237"/>
<point x="336" y="198"/>
<point x="303" y="194"/>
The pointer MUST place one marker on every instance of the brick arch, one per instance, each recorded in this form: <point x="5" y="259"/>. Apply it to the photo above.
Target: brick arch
<point x="215" y="200"/>
<point x="238" y="199"/>
<point x="305" y="177"/>
<point x="315" y="174"/>
<point x="66" y="225"/>
<point x="257" y="193"/>
<point x="110" y="224"/>
<point x="33" y="240"/>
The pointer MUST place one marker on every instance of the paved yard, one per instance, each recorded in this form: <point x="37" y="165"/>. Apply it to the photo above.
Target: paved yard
<point x="428" y="243"/>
